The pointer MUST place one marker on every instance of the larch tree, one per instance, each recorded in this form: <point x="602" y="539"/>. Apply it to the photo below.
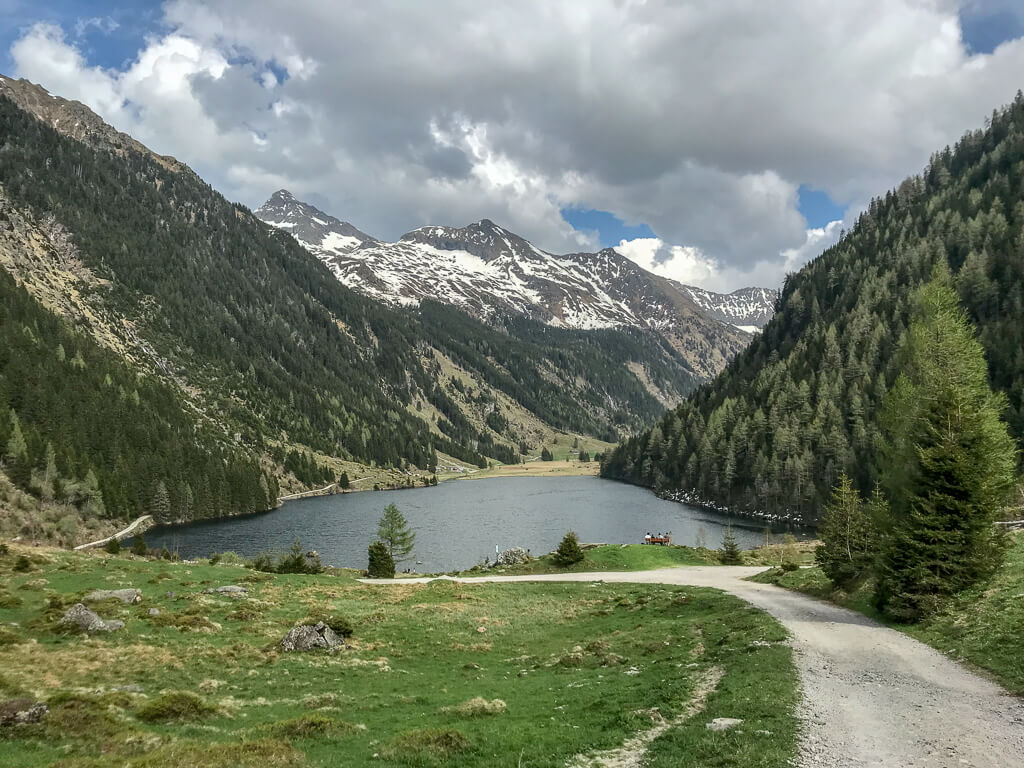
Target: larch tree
<point x="394" y="532"/>
<point x="948" y="462"/>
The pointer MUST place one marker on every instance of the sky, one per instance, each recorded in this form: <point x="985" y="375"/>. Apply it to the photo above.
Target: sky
<point x="720" y="144"/>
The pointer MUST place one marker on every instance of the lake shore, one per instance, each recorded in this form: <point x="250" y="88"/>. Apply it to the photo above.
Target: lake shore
<point x="530" y="469"/>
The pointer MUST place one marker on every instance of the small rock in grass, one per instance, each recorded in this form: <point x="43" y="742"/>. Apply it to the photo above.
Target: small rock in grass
<point x="723" y="723"/>
<point x="129" y="596"/>
<point x="311" y="637"/>
<point x="21" y="711"/>
<point x="87" y="621"/>
<point x="154" y="611"/>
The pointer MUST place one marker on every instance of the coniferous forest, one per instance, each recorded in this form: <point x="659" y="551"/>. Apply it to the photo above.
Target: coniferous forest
<point x="802" y="403"/>
<point x="250" y="347"/>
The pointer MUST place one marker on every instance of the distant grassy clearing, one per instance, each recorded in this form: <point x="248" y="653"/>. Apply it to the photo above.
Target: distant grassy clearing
<point x="983" y="626"/>
<point x="464" y="675"/>
<point x="532" y="469"/>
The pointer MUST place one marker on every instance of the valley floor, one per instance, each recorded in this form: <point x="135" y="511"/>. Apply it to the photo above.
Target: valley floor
<point x="872" y="696"/>
<point x="440" y="673"/>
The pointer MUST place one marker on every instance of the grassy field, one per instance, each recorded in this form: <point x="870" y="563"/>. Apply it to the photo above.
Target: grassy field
<point x="531" y="469"/>
<point x="524" y="675"/>
<point x="982" y="627"/>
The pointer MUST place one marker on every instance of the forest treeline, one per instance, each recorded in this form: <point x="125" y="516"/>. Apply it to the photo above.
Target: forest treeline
<point x="801" y="404"/>
<point x="272" y="350"/>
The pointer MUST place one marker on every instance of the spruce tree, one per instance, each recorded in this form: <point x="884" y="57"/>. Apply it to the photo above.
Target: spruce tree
<point x="730" y="553"/>
<point x="381" y="564"/>
<point x="948" y="463"/>
<point x="139" y="546"/>
<point x="569" y="551"/>
<point x="847" y="548"/>
<point x="394" y="532"/>
<point x="344" y="482"/>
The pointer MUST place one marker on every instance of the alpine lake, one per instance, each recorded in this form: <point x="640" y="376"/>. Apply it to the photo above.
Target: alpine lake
<point x="460" y="523"/>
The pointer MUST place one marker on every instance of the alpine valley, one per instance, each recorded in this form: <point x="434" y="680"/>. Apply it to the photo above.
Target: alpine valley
<point x="166" y="351"/>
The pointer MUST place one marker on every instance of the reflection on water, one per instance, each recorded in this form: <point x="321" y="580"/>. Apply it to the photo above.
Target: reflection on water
<point x="459" y="523"/>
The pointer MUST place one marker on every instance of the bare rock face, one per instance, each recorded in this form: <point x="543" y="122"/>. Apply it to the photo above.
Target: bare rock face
<point x="21" y="711"/>
<point x="129" y="596"/>
<point x="87" y="621"/>
<point x="311" y="637"/>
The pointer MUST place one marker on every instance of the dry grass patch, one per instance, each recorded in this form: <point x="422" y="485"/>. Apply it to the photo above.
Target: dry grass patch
<point x="478" y="706"/>
<point x="175" y="707"/>
<point x="441" y="743"/>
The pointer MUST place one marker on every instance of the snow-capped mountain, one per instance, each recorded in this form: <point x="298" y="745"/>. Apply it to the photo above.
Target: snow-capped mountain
<point x="485" y="269"/>
<point x="746" y="308"/>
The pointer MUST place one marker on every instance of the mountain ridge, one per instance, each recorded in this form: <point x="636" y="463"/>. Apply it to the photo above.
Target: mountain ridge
<point x="484" y="269"/>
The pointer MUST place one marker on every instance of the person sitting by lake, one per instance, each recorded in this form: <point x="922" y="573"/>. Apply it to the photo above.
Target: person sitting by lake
<point x="647" y="538"/>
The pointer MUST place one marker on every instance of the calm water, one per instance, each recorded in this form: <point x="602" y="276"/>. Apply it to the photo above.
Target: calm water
<point x="459" y="523"/>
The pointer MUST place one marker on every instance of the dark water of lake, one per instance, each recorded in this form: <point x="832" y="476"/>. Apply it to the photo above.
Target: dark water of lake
<point x="459" y="523"/>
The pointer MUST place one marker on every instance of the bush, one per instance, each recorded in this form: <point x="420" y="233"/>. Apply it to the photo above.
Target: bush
<point x="4" y="549"/>
<point x="568" y="552"/>
<point x="22" y="564"/>
<point x="264" y="561"/>
<point x="477" y="707"/>
<point x="112" y="547"/>
<point x="789" y="565"/>
<point x="139" y="546"/>
<point x="381" y="565"/>
<point x="297" y="561"/>
<point x="175" y="706"/>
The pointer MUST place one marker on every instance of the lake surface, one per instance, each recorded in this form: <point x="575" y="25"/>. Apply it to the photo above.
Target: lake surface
<point x="459" y="523"/>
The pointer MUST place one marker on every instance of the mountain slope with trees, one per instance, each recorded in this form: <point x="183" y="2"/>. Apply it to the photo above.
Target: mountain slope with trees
<point x="801" y="404"/>
<point x="246" y="342"/>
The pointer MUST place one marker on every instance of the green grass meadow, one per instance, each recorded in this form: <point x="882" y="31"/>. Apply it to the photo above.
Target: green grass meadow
<point x="444" y="673"/>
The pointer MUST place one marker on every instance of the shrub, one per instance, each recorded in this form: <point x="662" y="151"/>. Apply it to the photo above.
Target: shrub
<point x="175" y="706"/>
<point x="568" y="552"/>
<point x="139" y="546"/>
<point x="113" y="546"/>
<point x="315" y="724"/>
<point x="297" y="561"/>
<point x="264" y="561"/>
<point x="4" y="549"/>
<point x="22" y="564"/>
<point x="789" y="565"/>
<point x="381" y="564"/>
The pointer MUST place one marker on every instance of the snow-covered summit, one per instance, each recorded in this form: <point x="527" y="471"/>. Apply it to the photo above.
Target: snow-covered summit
<point x="485" y="269"/>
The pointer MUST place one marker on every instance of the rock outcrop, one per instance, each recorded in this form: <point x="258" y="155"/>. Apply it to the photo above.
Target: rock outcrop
<point x="311" y="637"/>
<point x="81" y="617"/>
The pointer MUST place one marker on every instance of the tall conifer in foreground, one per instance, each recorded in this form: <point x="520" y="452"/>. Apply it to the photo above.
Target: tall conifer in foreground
<point x="948" y="461"/>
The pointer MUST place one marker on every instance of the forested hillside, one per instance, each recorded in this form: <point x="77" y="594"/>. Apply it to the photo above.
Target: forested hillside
<point x="801" y="404"/>
<point x="213" y="325"/>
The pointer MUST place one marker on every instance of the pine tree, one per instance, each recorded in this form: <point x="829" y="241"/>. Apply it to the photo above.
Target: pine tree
<point x="569" y="551"/>
<point x="381" y="564"/>
<point x="394" y="532"/>
<point x="139" y="545"/>
<point x="948" y="462"/>
<point x="730" y="553"/>
<point x="546" y="455"/>
<point x="344" y="482"/>
<point x="848" y="540"/>
<point x="160" y="504"/>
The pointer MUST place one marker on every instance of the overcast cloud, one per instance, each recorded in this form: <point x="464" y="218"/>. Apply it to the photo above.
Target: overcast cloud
<point x="699" y="119"/>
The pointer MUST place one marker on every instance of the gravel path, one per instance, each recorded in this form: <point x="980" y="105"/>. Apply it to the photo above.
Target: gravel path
<point x="872" y="696"/>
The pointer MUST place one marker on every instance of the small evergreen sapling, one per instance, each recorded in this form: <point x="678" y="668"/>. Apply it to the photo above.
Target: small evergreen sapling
<point x="569" y="551"/>
<point x="848" y="539"/>
<point x="394" y="532"/>
<point x="730" y="553"/>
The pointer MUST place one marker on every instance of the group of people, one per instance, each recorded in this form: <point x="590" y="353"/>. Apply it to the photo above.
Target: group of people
<point x="660" y="537"/>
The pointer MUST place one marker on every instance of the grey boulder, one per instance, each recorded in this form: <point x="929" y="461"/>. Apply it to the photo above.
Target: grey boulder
<point x="87" y="621"/>
<point x="311" y="637"/>
<point x="20" y="711"/>
<point x="723" y="723"/>
<point x="232" y="590"/>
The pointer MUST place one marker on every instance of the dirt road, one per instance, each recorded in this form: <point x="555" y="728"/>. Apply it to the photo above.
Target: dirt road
<point x="871" y="696"/>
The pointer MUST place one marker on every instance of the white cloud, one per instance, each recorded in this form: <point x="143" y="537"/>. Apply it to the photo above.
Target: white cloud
<point x="700" y="119"/>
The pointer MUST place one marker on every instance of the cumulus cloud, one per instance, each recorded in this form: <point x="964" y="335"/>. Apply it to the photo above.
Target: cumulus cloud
<point x="699" y="119"/>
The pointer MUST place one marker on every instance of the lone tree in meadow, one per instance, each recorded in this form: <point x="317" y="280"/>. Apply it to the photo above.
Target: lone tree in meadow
<point x="394" y="533"/>
<point x="569" y="551"/>
<point x="730" y="553"/>
<point x="381" y="565"/>
<point x="848" y="540"/>
<point x="948" y="463"/>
